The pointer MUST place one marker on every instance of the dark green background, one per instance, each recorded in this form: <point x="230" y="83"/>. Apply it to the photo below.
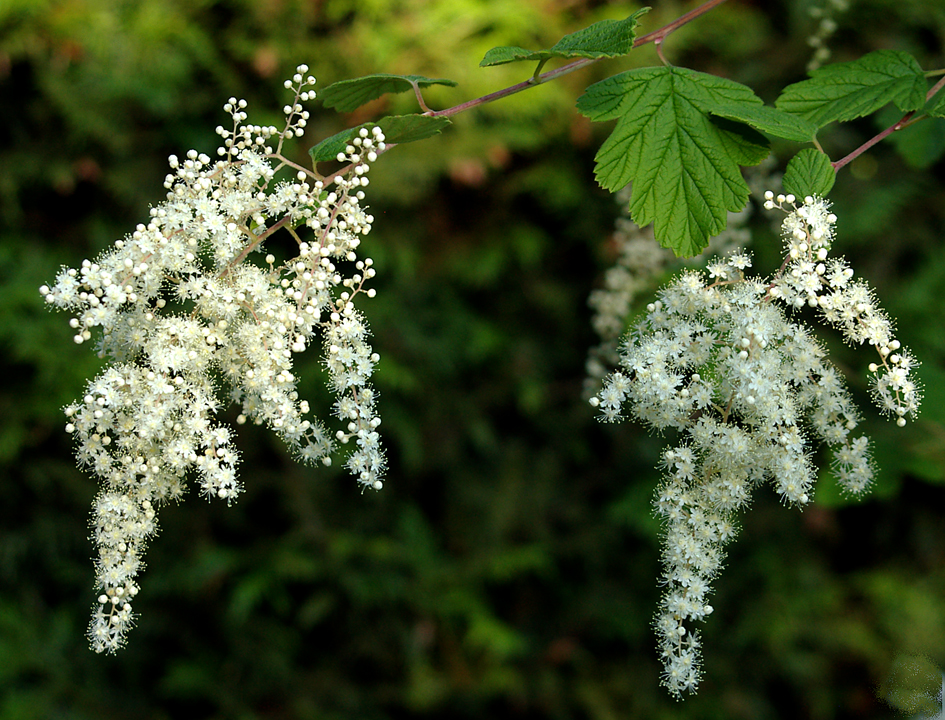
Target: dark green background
<point x="508" y="569"/>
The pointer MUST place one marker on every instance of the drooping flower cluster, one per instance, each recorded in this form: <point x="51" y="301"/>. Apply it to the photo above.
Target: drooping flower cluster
<point x="717" y="358"/>
<point x="811" y="278"/>
<point x="640" y="261"/>
<point x="191" y="319"/>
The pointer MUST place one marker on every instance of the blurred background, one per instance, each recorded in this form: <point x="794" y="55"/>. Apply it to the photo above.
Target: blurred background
<point x="509" y="567"/>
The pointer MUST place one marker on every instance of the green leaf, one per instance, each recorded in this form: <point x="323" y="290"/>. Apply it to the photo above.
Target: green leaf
<point x="744" y="144"/>
<point x="809" y="173"/>
<point x="936" y="106"/>
<point x="348" y="95"/>
<point x="844" y="91"/>
<point x="770" y="121"/>
<point x="683" y="165"/>
<point x="607" y="38"/>
<point x="401" y="129"/>
<point x="398" y="129"/>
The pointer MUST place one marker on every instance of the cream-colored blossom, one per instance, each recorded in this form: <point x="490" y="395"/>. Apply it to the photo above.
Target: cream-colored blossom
<point x="719" y="358"/>
<point x="188" y="299"/>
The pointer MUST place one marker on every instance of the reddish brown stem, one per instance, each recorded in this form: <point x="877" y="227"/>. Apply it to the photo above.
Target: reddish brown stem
<point x="655" y="36"/>
<point x="888" y="131"/>
<point x="254" y="244"/>
<point x="660" y="35"/>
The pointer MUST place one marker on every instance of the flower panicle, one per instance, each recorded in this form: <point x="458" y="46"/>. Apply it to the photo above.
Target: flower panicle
<point x="719" y="359"/>
<point x="191" y="298"/>
<point x="812" y="278"/>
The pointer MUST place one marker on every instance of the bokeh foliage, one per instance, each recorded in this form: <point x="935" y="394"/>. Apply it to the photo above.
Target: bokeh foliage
<point x="509" y="567"/>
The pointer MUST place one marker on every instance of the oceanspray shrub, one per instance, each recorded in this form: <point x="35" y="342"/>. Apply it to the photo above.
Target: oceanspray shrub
<point x="194" y="313"/>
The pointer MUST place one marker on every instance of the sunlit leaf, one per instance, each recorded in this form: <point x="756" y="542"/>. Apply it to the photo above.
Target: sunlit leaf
<point x="607" y="38"/>
<point x="684" y="167"/>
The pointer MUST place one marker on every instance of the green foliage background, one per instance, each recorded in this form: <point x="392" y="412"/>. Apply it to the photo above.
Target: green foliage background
<point x="509" y="567"/>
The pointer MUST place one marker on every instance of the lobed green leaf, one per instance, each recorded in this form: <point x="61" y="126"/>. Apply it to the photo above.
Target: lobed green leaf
<point x="770" y="121"/>
<point x="683" y="164"/>
<point x="607" y="38"/>
<point x="398" y="129"/>
<point x="848" y="90"/>
<point x="809" y="173"/>
<point x="348" y="95"/>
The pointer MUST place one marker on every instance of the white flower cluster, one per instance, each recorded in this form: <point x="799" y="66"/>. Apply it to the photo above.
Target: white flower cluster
<point x="640" y="261"/>
<point x="810" y="278"/>
<point x="717" y="358"/>
<point x="188" y="315"/>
